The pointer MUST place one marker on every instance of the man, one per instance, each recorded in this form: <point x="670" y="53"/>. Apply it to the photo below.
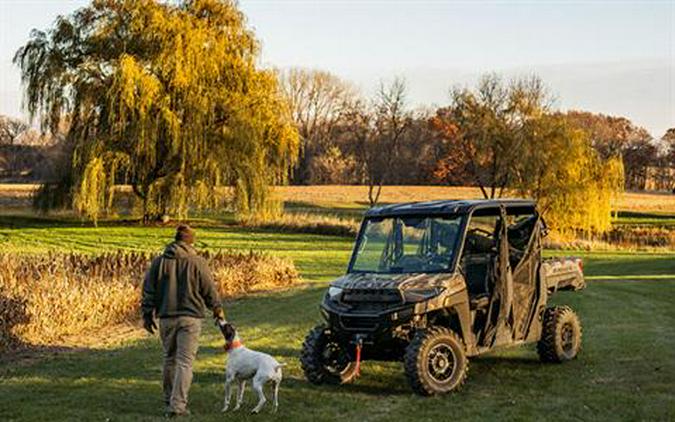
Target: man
<point x="178" y="289"/>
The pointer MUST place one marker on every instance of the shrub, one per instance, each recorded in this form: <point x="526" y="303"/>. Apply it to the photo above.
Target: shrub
<point x="45" y="298"/>
<point x="641" y="236"/>
<point x="620" y="237"/>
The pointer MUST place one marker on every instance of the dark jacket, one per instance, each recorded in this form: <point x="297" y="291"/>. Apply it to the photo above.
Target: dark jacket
<point x="179" y="283"/>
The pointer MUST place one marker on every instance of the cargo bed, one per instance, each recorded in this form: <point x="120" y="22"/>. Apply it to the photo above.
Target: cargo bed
<point x="563" y="273"/>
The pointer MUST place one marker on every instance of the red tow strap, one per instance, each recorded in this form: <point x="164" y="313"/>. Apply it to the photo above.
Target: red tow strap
<point x="358" y="358"/>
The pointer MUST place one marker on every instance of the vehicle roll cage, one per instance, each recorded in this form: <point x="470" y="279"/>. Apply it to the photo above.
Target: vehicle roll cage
<point x="449" y="209"/>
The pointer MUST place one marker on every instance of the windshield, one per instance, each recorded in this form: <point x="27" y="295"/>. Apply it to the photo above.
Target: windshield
<point x="406" y="245"/>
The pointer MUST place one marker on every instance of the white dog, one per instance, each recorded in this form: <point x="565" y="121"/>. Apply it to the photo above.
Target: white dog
<point x="244" y="364"/>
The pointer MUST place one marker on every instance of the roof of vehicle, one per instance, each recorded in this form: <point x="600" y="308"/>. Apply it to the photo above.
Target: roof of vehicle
<point x="454" y="206"/>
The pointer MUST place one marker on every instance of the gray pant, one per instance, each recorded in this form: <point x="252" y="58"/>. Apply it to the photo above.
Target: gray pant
<point x="180" y="339"/>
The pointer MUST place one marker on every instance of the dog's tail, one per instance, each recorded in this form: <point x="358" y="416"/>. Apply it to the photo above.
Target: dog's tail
<point x="279" y="366"/>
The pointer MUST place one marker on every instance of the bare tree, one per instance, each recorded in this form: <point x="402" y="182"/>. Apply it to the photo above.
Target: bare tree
<point x="610" y="135"/>
<point x="373" y="132"/>
<point x="392" y="119"/>
<point x="668" y="140"/>
<point x="11" y="130"/>
<point x="317" y="100"/>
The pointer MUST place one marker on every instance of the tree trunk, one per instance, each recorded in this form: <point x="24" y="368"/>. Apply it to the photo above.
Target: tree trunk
<point x="142" y="191"/>
<point x="374" y="199"/>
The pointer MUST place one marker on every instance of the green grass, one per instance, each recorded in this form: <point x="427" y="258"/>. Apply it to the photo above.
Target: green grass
<point x="626" y="370"/>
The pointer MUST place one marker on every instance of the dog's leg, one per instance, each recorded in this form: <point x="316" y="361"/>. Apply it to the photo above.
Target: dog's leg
<point x="240" y="394"/>
<point x="258" y="388"/>
<point x="276" y="395"/>
<point x="228" y="392"/>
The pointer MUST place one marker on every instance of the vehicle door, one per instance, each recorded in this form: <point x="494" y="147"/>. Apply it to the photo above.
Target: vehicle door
<point x="524" y="255"/>
<point x="487" y="275"/>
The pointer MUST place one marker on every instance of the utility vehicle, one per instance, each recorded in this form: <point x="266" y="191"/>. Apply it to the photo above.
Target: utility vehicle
<point x="433" y="283"/>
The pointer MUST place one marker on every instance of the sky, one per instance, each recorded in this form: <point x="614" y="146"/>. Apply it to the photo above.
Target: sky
<point x="611" y="57"/>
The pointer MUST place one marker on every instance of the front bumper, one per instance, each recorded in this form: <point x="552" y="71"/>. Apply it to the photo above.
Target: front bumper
<point x="370" y="324"/>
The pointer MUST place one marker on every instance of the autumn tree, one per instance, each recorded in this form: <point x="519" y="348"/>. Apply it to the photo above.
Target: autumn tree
<point x="480" y="130"/>
<point x="668" y="159"/>
<point x="317" y="100"/>
<point x="559" y="168"/>
<point x="418" y="152"/>
<point x="609" y="135"/>
<point x="669" y="138"/>
<point x="638" y="157"/>
<point x="506" y="138"/>
<point x="166" y="94"/>
<point x="333" y="167"/>
<point x="615" y="136"/>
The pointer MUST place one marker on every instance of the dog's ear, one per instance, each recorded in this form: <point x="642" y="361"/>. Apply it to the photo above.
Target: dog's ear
<point x="229" y="332"/>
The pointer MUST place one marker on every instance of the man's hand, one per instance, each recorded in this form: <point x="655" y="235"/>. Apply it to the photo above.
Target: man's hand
<point x="149" y="323"/>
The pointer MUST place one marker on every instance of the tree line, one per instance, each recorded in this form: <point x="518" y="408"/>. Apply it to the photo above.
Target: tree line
<point x="428" y="146"/>
<point x="169" y="98"/>
<point x="503" y="136"/>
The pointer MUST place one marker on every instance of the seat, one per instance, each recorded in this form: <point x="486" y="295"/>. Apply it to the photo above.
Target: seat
<point x="477" y="274"/>
<point x="476" y="271"/>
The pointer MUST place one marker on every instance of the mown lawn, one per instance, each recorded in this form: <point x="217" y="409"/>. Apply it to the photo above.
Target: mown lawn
<point x="626" y="370"/>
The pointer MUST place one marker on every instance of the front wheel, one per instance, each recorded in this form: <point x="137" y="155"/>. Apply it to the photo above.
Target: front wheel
<point x="324" y="360"/>
<point x="560" y="335"/>
<point x="435" y="362"/>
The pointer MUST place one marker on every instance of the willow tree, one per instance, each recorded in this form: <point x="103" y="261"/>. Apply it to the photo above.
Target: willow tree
<point x="574" y="186"/>
<point x="165" y="95"/>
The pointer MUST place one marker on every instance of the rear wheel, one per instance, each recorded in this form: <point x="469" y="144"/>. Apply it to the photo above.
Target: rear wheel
<point x="560" y="335"/>
<point x="324" y="360"/>
<point x="435" y="362"/>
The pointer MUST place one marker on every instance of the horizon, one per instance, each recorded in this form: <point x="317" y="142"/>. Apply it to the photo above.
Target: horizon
<point x="614" y="58"/>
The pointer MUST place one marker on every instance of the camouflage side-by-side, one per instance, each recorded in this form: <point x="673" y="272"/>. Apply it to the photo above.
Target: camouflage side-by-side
<point x="434" y="283"/>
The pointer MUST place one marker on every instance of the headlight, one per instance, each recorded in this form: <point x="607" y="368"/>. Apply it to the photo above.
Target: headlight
<point x="334" y="292"/>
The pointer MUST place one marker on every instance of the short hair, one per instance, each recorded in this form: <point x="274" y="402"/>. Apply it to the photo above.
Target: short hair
<point x="184" y="233"/>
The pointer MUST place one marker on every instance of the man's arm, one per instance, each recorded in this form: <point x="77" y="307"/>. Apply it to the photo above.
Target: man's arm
<point x="150" y="289"/>
<point x="208" y="291"/>
<point x="148" y="298"/>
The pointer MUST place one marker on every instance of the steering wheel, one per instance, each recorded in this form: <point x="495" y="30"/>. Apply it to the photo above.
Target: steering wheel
<point x="480" y="240"/>
<point x="478" y="230"/>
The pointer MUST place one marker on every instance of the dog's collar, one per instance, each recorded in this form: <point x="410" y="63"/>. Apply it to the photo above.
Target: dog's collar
<point x="233" y="345"/>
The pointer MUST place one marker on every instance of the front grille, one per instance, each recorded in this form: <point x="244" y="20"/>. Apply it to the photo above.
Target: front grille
<point x="372" y="295"/>
<point x="359" y="323"/>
